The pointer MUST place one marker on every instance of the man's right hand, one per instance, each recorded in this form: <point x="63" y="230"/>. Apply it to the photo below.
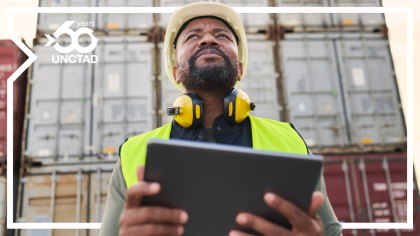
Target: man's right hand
<point x="149" y="220"/>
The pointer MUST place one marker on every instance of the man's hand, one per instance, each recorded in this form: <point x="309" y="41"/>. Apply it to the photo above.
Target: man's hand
<point x="302" y="223"/>
<point x="149" y="220"/>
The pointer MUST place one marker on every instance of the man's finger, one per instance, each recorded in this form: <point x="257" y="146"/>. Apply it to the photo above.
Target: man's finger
<point x="239" y="233"/>
<point x="316" y="202"/>
<point x="153" y="214"/>
<point x="136" y="193"/>
<point x="261" y="225"/>
<point x="298" y="218"/>
<point x="152" y="230"/>
<point x="140" y="173"/>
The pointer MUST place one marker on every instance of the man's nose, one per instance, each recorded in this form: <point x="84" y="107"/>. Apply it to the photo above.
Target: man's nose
<point x="208" y="40"/>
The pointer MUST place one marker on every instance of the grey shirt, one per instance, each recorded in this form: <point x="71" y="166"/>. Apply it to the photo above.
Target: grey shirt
<point x="116" y="197"/>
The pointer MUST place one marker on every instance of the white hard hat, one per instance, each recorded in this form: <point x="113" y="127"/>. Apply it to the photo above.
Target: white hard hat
<point x="193" y="10"/>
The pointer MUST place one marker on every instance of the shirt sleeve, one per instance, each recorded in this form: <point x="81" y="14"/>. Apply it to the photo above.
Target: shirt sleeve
<point x="115" y="199"/>
<point x="331" y="225"/>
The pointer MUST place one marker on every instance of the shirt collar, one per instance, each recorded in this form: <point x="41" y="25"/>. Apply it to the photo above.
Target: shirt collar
<point x="221" y="128"/>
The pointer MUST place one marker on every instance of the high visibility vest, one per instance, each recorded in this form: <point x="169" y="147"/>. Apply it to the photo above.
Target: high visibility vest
<point x="267" y="135"/>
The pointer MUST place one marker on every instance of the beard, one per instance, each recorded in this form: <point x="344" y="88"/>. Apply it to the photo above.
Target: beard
<point x="210" y="76"/>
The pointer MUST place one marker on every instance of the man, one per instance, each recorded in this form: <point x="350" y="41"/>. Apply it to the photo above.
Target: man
<point x="206" y="55"/>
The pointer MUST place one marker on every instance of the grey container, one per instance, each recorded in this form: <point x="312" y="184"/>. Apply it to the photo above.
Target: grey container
<point x="357" y="21"/>
<point x="341" y="90"/>
<point x="123" y="92"/>
<point x="252" y="22"/>
<point x="303" y="21"/>
<point x="312" y="87"/>
<point x="371" y="93"/>
<point x="49" y="22"/>
<point x="59" y="112"/>
<point x="124" y="22"/>
<point x="259" y="82"/>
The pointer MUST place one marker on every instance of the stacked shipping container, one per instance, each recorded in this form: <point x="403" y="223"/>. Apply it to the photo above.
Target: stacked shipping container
<point x="337" y="87"/>
<point x="11" y="58"/>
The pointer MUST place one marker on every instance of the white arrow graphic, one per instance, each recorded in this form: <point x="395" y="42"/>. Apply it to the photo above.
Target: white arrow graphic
<point x="51" y="40"/>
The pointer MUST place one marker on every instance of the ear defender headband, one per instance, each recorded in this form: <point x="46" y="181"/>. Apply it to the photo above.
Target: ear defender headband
<point x="188" y="109"/>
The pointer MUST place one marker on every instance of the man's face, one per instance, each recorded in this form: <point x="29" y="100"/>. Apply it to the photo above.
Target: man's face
<point x="207" y="56"/>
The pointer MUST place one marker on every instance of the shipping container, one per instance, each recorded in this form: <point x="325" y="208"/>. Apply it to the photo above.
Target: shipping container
<point x="90" y="108"/>
<point x="358" y="188"/>
<point x="11" y="58"/>
<point x="342" y="93"/>
<point x="3" y="205"/>
<point x="357" y="21"/>
<point x="316" y="22"/>
<point x="123" y="92"/>
<point x="252" y="22"/>
<point x="298" y="22"/>
<point x="59" y="118"/>
<point x="259" y="82"/>
<point x="50" y="22"/>
<point x="79" y="191"/>
<point x="108" y="23"/>
<point x="131" y="23"/>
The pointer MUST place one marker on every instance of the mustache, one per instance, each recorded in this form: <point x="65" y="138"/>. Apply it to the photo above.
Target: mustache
<point x="209" y="47"/>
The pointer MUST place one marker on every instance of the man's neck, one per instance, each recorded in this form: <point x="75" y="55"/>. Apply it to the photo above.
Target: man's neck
<point x="213" y="104"/>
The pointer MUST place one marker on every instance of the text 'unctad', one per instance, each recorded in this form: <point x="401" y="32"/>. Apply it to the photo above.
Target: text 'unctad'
<point x="74" y="58"/>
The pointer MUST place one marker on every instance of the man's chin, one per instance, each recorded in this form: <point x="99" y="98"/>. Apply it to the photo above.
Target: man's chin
<point x="209" y="62"/>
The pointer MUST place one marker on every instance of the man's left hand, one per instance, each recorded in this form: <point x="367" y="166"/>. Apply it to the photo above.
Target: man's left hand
<point x="302" y="223"/>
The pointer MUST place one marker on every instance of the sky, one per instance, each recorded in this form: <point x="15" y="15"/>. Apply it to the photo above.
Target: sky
<point x="25" y="26"/>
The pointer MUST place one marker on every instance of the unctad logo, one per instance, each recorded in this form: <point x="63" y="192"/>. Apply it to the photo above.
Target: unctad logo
<point x="74" y="45"/>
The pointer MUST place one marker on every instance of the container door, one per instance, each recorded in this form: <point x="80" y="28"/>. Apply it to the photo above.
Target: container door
<point x="371" y="94"/>
<point x="313" y="94"/>
<point x="54" y="198"/>
<point x="59" y="113"/>
<point x="123" y="93"/>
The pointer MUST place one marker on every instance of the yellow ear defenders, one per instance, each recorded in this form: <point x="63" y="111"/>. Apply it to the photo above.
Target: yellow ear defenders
<point x="236" y="106"/>
<point x="188" y="109"/>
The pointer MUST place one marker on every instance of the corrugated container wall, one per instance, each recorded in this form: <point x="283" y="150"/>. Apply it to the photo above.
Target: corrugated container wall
<point x="48" y="192"/>
<point x="359" y="187"/>
<point x="109" y="23"/>
<point x="91" y="108"/>
<point x="252" y="22"/>
<point x="11" y="58"/>
<point x="342" y="92"/>
<point x="317" y="22"/>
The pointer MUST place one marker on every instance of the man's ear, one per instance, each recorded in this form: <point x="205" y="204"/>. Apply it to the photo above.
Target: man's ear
<point x="175" y="74"/>
<point x="240" y="71"/>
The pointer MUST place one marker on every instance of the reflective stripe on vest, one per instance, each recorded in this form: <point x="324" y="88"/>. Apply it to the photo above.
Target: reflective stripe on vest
<point x="267" y="134"/>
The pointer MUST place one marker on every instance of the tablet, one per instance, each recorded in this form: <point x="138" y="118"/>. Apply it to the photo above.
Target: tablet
<point x="215" y="182"/>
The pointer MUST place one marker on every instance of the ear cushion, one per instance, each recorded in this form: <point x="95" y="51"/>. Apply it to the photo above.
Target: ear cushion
<point x="237" y="105"/>
<point x="191" y="110"/>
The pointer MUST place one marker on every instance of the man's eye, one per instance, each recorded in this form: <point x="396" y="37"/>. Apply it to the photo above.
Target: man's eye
<point x="191" y="36"/>
<point x="223" y="36"/>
